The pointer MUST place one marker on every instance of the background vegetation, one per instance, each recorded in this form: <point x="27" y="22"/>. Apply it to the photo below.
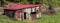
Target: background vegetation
<point x="52" y="2"/>
<point x="45" y="18"/>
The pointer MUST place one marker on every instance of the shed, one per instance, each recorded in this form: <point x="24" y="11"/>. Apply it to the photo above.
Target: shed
<point x="21" y="12"/>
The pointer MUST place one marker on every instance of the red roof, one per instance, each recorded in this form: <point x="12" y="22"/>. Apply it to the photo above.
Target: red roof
<point x="21" y="6"/>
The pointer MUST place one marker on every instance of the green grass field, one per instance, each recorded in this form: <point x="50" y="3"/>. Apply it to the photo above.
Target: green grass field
<point x="45" y="19"/>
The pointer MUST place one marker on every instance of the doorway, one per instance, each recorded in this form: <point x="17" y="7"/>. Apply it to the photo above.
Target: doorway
<point x="24" y="15"/>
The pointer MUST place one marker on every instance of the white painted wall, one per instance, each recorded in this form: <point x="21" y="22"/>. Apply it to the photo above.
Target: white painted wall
<point x="39" y="14"/>
<point x="28" y="11"/>
<point x="33" y="9"/>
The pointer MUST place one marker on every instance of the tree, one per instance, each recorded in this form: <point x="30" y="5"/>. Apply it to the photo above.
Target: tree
<point x="49" y="3"/>
<point x="35" y="1"/>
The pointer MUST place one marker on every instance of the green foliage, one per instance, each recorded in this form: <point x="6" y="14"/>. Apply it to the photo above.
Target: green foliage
<point x="52" y="2"/>
<point x="25" y="2"/>
<point x="55" y="2"/>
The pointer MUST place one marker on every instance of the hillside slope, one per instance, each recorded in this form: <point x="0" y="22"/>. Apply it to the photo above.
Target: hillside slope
<point x="45" y="19"/>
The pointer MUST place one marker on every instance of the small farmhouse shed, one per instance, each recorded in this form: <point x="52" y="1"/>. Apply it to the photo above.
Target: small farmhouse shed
<point x="26" y="11"/>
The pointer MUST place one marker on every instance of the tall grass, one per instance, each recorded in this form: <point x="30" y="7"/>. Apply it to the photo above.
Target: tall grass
<point x="45" y="19"/>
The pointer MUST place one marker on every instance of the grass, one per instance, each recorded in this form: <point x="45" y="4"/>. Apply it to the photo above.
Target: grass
<point x="45" y="19"/>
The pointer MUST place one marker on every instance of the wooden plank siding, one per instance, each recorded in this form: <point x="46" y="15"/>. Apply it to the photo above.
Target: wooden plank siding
<point x="33" y="16"/>
<point x="18" y="15"/>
